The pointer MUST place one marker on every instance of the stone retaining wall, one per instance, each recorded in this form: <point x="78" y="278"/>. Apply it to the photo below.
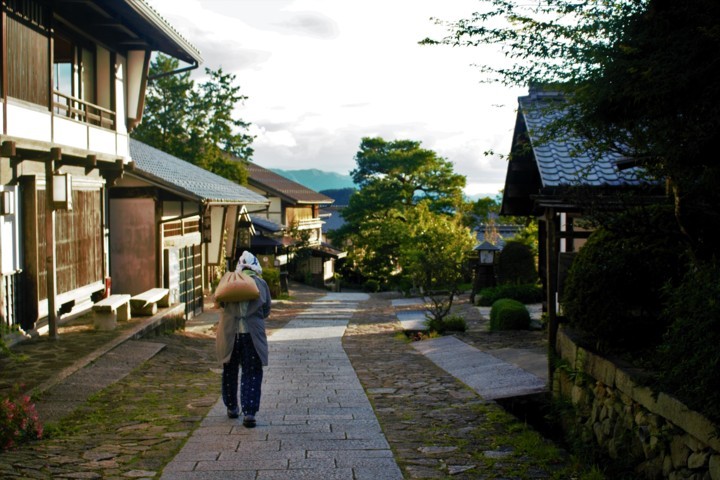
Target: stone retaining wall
<point x="657" y="433"/>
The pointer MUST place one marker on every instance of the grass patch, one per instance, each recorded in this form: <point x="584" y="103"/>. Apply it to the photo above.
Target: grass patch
<point x="142" y="421"/>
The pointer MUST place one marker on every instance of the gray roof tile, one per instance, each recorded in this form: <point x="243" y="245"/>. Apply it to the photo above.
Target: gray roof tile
<point x="561" y="162"/>
<point x="265" y="224"/>
<point x="191" y="179"/>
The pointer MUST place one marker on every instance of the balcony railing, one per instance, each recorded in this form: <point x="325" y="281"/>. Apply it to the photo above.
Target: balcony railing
<point x="309" y="223"/>
<point x="82" y="111"/>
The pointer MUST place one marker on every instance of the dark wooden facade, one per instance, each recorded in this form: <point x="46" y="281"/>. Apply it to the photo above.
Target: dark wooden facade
<point x="72" y="81"/>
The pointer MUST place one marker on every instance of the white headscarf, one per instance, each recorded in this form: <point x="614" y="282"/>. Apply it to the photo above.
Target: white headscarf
<point x="248" y="260"/>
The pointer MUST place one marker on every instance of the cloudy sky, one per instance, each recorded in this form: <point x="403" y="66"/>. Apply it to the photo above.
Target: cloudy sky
<point x="322" y="74"/>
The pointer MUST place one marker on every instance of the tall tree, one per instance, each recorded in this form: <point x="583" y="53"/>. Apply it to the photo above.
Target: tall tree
<point x="394" y="178"/>
<point x="167" y="107"/>
<point x="196" y="122"/>
<point x="639" y="76"/>
<point x="398" y="174"/>
<point x="434" y="254"/>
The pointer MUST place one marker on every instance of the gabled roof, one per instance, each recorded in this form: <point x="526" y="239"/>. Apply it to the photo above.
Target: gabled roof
<point x="131" y="23"/>
<point x="187" y="179"/>
<point x="288" y="190"/>
<point x="540" y="163"/>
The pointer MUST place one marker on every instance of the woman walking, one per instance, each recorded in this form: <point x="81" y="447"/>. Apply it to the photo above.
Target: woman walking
<point x="241" y="344"/>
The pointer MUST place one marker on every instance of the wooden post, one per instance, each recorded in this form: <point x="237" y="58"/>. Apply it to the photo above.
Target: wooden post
<point x="551" y="285"/>
<point x="50" y="245"/>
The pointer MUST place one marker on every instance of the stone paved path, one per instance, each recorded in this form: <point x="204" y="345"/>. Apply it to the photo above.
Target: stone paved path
<point x="315" y="420"/>
<point x="489" y="376"/>
<point x="434" y="424"/>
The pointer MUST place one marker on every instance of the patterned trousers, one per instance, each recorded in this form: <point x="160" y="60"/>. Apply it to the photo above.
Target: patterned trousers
<point x="250" y="381"/>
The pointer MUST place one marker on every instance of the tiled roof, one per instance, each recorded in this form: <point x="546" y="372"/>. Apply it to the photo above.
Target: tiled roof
<point x="265" y="224"/>
<point x="180" y="175"/>
<point x="289" y="190"/>
<point x="153" y="16"/>
<point x="327" y="250"/>
<point x="562" y="161"/>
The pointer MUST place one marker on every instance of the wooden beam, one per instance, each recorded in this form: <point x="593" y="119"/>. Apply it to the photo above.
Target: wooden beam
<point x="90" y="163"/>
<point x="551" y="227"/>
<point x="8" y="149"/>
<point x="56" y="154"/>
<point x="113" y="172"/>
<point x="33" y="257"/>
<point x="50" y="272"/>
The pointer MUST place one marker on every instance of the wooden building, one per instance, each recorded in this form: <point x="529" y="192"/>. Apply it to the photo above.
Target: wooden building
<point x="72" y="77"/>
<point x="556" y="180"/>
<point x="297" y="209"/>
<point x="168" y="219"/>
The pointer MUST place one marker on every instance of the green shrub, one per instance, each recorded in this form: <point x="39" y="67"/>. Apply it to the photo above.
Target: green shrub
<point x="689" y="356"/>
<point x="509" y="314"/>
<point x="613" y="288"/>
<point x="455" y="323"/>
<point x="372" y="285"/>
<point x="272" y="278"/>
<point x="516" y="264"/>
<point x="451" y="323"/>
<point x="528" y="293"/>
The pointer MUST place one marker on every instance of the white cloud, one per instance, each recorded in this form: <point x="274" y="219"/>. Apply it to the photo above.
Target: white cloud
<point x="320" y="75"/>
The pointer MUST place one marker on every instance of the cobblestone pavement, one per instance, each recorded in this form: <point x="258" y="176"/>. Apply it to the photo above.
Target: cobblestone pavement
<point x="435" y="425"/>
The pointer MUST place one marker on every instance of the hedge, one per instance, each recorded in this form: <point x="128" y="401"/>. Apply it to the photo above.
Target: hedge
<point x="509" y="314"/>
<point x="527" y="293"/>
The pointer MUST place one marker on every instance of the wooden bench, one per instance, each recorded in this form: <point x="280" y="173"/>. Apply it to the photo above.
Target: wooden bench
<point x="147" y="303"/>
<point x="111" y="309"/>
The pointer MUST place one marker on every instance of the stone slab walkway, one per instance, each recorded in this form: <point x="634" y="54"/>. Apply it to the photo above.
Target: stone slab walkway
<point x="491" y="377"/>
<point x="413" y="320"/>
<point x="315" y="421"/>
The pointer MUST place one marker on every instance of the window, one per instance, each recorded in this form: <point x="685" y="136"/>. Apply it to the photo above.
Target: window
<point x="63" y="66"/>
<point x="82" y="79"/>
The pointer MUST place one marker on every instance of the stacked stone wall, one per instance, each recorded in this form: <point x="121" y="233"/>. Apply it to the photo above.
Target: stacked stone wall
<point x="657" y="434"/>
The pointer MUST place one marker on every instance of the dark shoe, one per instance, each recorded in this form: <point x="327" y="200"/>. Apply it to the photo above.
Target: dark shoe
<point x="249" y="421"/>
<point x="233" y="412"/>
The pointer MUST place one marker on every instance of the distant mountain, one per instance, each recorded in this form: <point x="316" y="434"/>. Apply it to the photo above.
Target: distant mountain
<point x="317" y="180"/>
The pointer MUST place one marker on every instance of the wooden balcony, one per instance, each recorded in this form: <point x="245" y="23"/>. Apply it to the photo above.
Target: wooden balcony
<point x="76" y="109"/>
<point x="308" y="223"/>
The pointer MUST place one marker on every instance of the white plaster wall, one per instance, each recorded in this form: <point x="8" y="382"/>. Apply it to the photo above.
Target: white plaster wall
<point x="120" y="95"/>
<point x="102" y="140"/>
<point x="70" y="133"/>
<point x="28" y="123"/>
<point x="9" y="236"/>
<point x="123" y="146"/>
